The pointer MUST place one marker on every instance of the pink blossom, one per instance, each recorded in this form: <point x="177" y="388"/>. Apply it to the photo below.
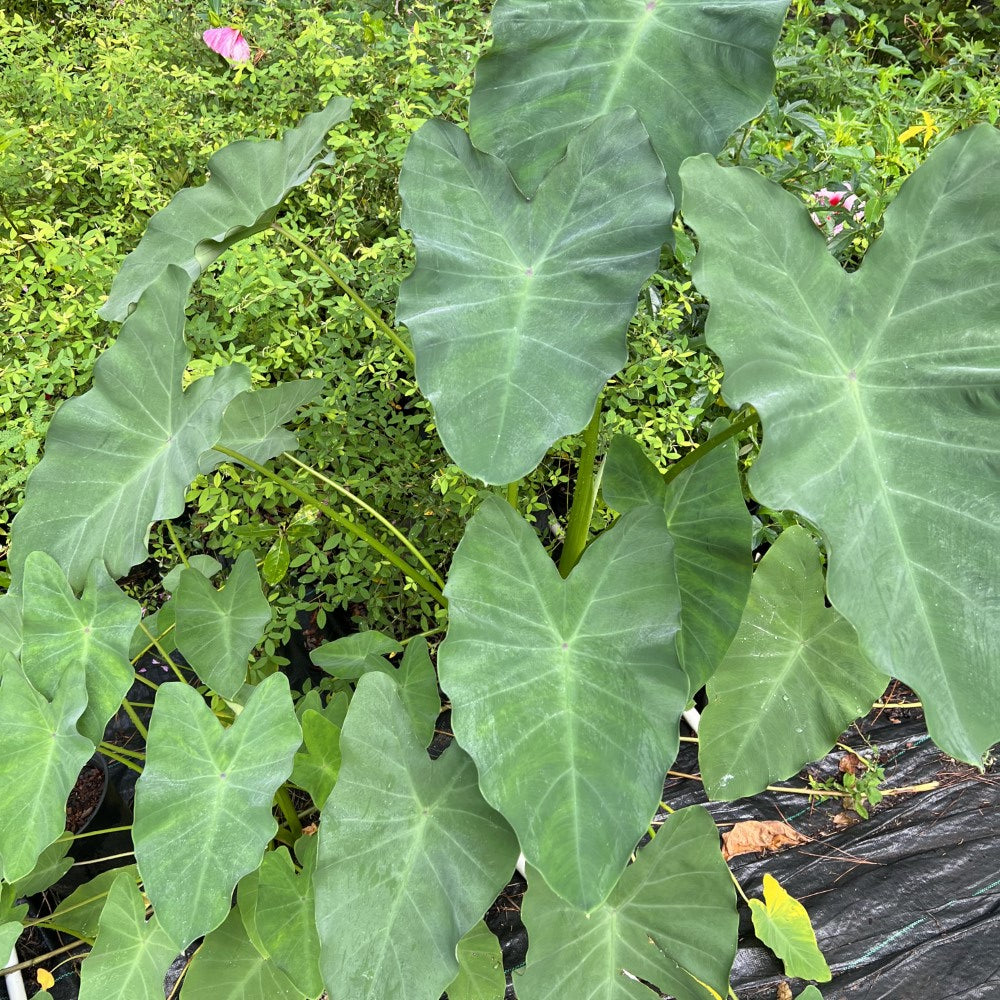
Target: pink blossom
<point x="847" y="201"/>
<point x="229" y="43"/>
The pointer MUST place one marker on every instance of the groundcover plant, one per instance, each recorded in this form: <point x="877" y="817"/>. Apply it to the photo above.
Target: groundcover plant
<point x="877" y="397"/>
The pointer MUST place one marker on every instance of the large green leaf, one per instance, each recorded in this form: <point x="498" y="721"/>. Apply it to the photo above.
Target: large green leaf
<point x="217" y="629"/>
<point x="131" y="956"/>
<point x="247" y="183"/>
<point x="792" y="681"/>
<point x="712" y="532"/>
<point x="42" y="757"/>
<point x="410" y="857"/>
<point x="203" y="802"/>
<point x="693" y="71"/>
<point x="879" y="396"/>
<point x="227" y="966"/>
<point x="567" y="692"/>
<point x="59" y="631"/>
<point x="783" y="924"/>
<point x="671" y="921"/>
<point x="79" y="914"/>
<point x="518" y="309"/>
<point x="10" y="624"/>
<point x="480" y="965"/>
<point x="278" y="911"/>
<point x="122" y="455"/>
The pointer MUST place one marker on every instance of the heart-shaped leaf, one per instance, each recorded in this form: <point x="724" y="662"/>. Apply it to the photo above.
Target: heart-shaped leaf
<point x="518" y="310"/>
<point x="560" y="687"/>
<point x="131" y="956"/>
<point x="694" y="72"/>
<point x="480" y="964"/>
<point x="247" y="183"/>
<point x="217" y="629"/>
<point x="317" y="766"/>
<point x="879" y="395"/>
<point x="203" y="802"/>
<point x="59" y="631"/>
<point x="792" y="681"/>
<point x="228" y="967"/>
<point x="782" y="923"/>
<point x="42" y="758"/>
<point x="712" y="531"/>
<point x="122" y="455"/>
<point x="277" y="907"/>
<point x="670" y="921"/>
<point x="410" y="856"/>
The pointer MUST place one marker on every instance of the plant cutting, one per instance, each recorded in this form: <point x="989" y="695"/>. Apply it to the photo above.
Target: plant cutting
<point x="566" y="679"/>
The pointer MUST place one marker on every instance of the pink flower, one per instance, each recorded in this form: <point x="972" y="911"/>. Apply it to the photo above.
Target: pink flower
<point x="847" y="201"/>
<point x="229" y="43"/>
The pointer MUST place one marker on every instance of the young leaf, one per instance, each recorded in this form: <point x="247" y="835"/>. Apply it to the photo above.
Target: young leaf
<point x="316" y="768"/>
<point x="247" y="183"/>
<point x="539" y="294"/>
<point x="42" y="758"/>
<point x="792" y="681"/>
<point x="566" y="693"/>
<point x="203" y="802"/>
<point x="58" y="631"/>
<point x="694" y="72"/>
<point x="879" y="395"/>
<point x="277" y="908"/>
<point x="410" y="856"/>
<point x="208" y="566"/>
<point x="810" y="993"/>
<point x="353" y="655"/>
<point x="712" y="531"/>
<point x="228" y="967"/>
<point x="79" y="913"/>
<point x="137" y="434"/>
<point x="671" y="921"/>
<point x="217" y="629"/>
<point x="131" y="956"/>
<point x="480" y="967"/>
<point x="781" y="922"/>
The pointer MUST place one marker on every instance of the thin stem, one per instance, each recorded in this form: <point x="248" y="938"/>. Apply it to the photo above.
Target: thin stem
<point x="107" y="857"/>
<point x="29" y="962"/>
<point x="177" y="542"/>
<point x="287" y="807"/>
<point x="584" y="495"/>
<point x="345" y="288"/>
<point x="898" y="704"/>
<point x="155" y="640"/>
<point x="739" y="888"/>
<point x="136" y="721"/>
<point x="91" y="833"/>
<point x="344" y="491"/>
<point x="424" y="635"/>
<point x="342" y="522"/>
<point x="110" y="751"/>
<point x="512" y="489"/>
<point x="696" y="455"/>
<point x="137" y="754"/>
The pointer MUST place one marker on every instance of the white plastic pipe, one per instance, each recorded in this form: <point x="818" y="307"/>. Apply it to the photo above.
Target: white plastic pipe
<point x="693" y="718"/>
<point x="13" y="980"/>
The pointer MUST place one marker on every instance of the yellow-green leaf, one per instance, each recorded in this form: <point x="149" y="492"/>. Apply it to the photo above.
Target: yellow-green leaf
<point x="782" y="923"/>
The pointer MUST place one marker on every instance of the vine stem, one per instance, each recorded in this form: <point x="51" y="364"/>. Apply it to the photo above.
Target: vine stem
<point x="344" y="491"/>
<point x="342" y="522"/>
<point x="696" y="455"/>
<point x="287" y="807"/>
<point x="346" y="289"/>
<point x="584" y="495"/>
<point x="928" y="786"/>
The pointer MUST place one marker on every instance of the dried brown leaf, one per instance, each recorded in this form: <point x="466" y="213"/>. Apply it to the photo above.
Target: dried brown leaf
<point x="753" y="836"/>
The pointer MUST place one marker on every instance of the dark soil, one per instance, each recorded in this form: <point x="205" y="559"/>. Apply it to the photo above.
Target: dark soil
<point x="85" y="798"/>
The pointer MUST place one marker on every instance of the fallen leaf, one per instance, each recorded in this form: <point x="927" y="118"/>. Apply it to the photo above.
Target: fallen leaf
<point x="45" y="979"/>
<point x="752" y="836"/>
<point x="784" y="992"/>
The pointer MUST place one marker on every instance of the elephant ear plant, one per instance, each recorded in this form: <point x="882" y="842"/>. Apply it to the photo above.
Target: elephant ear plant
<point x="877" y="395"/>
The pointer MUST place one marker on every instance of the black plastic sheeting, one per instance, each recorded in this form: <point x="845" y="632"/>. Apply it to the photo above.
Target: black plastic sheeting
<point x="906" y="904"/>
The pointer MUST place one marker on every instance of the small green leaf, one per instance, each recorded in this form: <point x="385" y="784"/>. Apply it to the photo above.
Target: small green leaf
<point x="275" y="566"/>
<point x="208" y="566"/>
<point x="217" y="629"/>
<point x="671" y="920"/>
<point x="247" y="183"/>
<point x="781" y="922"/>
<point x="316" y="768"/>
<point x="131" y="956"/>
<point x="410" y="856"/>
<point x="480" y="965"/>
<point x="43" y="748"/>
<point x="353" y="655"/>
<point x="79" y="913"/>
<point x="203" y="803"/>
<point x="227" y="966"/>
<point x="58" y="631"/>
<point x="810" y="993"/>
<point x="792" y="681"/>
